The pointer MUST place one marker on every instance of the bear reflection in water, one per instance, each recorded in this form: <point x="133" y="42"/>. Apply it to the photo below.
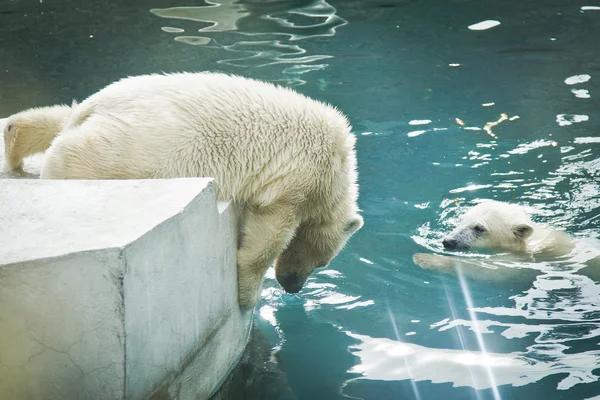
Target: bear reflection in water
<point x="258" y="375"/>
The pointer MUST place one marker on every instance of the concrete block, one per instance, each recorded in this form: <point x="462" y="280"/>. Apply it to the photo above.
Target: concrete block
<point x="117" y="289"/>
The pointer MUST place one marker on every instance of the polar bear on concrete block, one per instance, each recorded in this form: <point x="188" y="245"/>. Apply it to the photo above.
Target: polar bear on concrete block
<point x="286" y="161"/>
<point x="507" y="231"/>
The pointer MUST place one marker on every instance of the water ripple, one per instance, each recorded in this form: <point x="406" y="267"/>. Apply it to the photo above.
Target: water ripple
<point x="275" y="28"/>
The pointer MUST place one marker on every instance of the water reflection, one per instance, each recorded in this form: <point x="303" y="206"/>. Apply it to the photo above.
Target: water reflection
<point x="484" y="25"/>
<point x="272" y="52"/>
<point x="575" y="79"/>
<point x="478" y="334"/>
<point x="570" y="119"/>
<point x="275" y="28"/>
<point x="221" y="16"/>
<point x="581" y="93"/>
<point x="388" y="360"/>
<point x="405" y="360"/>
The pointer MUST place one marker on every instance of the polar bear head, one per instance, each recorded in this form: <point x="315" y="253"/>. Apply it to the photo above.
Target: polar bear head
<point x="314" y="245"/>
<point x="31" y="131"/>
<point x="491" y="225"/>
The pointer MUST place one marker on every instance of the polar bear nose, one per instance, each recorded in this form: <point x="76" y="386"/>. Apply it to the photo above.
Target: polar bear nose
<point x="449" y="243"/>
<point x="291" y="283"/>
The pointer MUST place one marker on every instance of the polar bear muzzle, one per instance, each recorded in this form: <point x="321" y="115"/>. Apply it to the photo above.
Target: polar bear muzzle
<point x="291" y="283"/>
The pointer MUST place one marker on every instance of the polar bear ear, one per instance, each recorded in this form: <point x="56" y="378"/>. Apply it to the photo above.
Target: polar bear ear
<point x="353" y="225"/>
<point x="522" y="231"/>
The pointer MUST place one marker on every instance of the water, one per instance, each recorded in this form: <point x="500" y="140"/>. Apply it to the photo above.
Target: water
<point x="445" y="115"/>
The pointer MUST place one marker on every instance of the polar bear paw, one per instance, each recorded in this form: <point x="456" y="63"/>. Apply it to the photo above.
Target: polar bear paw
<point x="432" y="261"/>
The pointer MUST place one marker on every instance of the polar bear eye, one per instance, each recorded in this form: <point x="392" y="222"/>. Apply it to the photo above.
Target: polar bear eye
<point x="9" y="127"/>
<point x="479" y="228"/>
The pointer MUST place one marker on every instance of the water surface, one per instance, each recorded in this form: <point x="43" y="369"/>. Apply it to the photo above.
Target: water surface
<point x="452" y="102"/>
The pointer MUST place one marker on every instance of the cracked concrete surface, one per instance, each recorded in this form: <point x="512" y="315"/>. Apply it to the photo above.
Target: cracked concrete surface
<point x="116" y="289"/>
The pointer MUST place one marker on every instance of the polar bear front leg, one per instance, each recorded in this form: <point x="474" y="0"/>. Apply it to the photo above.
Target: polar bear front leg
<point x="433" y="261"/>
<point x="266" y="233"/>
<point x="490" y="270"/>
<point x="452" y="264"/>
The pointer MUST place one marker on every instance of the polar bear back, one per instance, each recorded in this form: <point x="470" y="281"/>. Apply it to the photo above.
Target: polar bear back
<point x="247" y="134"/>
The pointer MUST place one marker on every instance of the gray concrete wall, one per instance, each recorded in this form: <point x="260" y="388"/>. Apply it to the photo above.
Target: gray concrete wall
<point x="61" y="336"/>
<point x="116" y="289"/>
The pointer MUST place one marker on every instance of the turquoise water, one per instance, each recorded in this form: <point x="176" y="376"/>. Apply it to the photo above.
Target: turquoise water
<point x="445" y="115"/>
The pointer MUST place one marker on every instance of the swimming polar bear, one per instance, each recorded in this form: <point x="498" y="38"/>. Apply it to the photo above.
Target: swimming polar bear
<point x="514" y="239"/>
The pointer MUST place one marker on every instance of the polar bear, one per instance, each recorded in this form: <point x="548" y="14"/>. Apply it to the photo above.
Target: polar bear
<point x="507" y="231"/>
<point x="37" y="128"/>
<point x="503" y="227"/>
<point x="286" y="161"/>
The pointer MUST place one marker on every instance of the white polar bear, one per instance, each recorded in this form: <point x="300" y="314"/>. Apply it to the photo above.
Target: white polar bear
<point x="506" y="230"/>
<point x="286" y="161"/>
<point x="498" y="226"/>
<point x="37" y="128"/>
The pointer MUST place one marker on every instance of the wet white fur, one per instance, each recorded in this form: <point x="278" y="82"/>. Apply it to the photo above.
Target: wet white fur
<point x="509" y="233"/>
<point x="508" y="227"/>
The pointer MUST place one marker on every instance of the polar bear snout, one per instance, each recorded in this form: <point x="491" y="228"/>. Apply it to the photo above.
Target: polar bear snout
<point x="291" y="283"/>
<point x="450" y="244"/>
<point x="459" y="241"/>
